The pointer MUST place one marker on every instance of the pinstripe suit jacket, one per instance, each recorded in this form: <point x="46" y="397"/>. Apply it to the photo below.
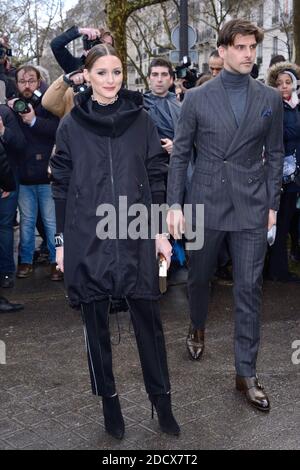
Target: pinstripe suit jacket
<point x="235" y="184"/>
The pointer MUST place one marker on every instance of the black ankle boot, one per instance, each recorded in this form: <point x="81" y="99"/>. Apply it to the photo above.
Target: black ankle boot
<point x="167" y="422"/>
<point x="113" y="419"/>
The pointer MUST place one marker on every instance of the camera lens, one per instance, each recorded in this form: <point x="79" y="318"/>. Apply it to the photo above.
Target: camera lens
<point x="20" y="106"/>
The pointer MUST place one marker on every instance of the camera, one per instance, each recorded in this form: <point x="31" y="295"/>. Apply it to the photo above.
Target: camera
<point x="89" y="43"/>
<point x="81" y="87"/>
<point x="185" y="72"/>
<point x="4" y="51"/>
<point x="21" y="105"/>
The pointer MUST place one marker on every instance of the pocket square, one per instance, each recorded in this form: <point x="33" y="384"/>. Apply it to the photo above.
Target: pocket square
<point x="266" y="112"/>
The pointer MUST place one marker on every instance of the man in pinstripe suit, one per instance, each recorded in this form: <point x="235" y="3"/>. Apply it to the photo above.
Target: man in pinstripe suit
<point x="232" y="120"/>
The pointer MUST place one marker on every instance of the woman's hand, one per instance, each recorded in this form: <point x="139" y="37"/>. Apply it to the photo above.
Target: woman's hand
<point x="164" y="247"/>
<point x="60" y="258"/>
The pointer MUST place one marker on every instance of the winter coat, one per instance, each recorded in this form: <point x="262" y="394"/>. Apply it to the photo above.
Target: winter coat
<point x="7" y="180"/>
<point x="291" y="117"/>
<point x="98" y="159"/>
<point x="164" y="121"/>
<point x="13" y="138"/>
<point x="40" y="138"/>
<point x="59" y="98"/>
<point x="291" y="137"/>
<point x="65" y="59"/>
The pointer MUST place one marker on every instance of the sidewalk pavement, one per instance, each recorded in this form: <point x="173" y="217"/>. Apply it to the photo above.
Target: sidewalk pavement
<point x="45" y="398"/>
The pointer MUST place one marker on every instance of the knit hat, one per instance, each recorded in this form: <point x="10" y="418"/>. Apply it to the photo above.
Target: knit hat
<point x="294" y="100"/>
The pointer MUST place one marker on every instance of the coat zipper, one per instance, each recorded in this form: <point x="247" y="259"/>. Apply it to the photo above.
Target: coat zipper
<point x="75" y="207"/>
<point x="114" y="197"/>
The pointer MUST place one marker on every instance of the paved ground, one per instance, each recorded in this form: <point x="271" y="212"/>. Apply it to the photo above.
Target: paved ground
<point x="45" y="399"/>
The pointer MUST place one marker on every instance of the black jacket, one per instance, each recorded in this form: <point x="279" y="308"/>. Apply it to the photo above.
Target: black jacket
<point x="65" y="59"/>
<point x="100" y="158"/>
<point x="13" y="138"/>
<point x="7" y="180"/>
<point x="9" y="83"/>
<point x="291" y="137"/>
<point x="40" y="139"/>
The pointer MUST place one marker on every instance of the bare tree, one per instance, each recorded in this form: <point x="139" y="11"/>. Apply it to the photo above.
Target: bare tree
<point x="28" y="23"/>
<point x="296" y="27"/>
<point x="286" y="27"/>
<point x="150" y="34"/>
<point x="118" y="12"/>
<point x="215" y="12"/>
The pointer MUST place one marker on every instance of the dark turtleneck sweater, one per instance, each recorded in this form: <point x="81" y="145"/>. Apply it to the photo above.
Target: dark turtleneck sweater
<point x="236" y="86"/>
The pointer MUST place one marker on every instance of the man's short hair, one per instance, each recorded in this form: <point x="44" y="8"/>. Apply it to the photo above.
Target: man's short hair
<point x="214" y="53"/>
<point x="28" y="68"/>
<point x="161" y="62"/>
<point x="238" y="26"/>
<point x="276" y="59"/>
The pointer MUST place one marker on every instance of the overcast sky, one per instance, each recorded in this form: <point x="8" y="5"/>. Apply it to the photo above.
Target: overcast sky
<point x="69" y="4"/>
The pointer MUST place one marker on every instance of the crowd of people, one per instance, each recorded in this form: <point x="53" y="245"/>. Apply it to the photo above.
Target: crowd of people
<point x="231" y="143"/>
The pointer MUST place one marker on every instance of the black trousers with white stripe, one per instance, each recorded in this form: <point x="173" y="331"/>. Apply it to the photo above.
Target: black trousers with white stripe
<point x="148" y="330"/>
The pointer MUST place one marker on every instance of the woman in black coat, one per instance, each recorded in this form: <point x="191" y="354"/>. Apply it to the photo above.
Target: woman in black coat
<point x="108" y="157"/>
<point x="284" y="76"/>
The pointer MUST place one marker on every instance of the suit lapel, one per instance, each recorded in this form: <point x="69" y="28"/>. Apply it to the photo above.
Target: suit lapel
<point x="221" y="106"/>
<point x="253" y="106"/>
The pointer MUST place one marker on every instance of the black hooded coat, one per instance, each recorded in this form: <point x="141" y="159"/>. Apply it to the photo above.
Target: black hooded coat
<point x="98" y="159"/>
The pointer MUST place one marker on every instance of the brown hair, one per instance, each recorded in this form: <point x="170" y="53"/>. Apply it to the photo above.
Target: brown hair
<point x="204" y="78"/>
<point x="28" y="68"/>
<point x="161" y="62"/>
<point x="101" y="50"/>
<point x="238" y="26"/>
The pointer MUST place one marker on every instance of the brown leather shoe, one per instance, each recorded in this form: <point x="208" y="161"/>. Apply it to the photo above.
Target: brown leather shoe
<point x="24" y="270"/>
<point x="254" y="392"/>
<point x="55" y="274"/>
<point x="195" y="343"/>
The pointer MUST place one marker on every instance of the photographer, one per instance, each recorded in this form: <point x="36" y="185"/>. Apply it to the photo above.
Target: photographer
<point x="39" y="128"/>
<point x="59" y="97"/>
<point x="7" y="84"/>
<point x="91" y="37"/>
<point x="12" y="141"/>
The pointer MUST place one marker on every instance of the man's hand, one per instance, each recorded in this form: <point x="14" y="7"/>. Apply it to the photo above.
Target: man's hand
<point x="27" y="118"/>
<point x="176" y="223"/>
<point x="272" y="218"/>
<point x="4" y="194"/>
<point x="91" y="33"/>
<point x="60" y="258"/>
<point x="163" y="246"/>
<point x="10" y="103"/>
<point x="77" y="78"/>
<point x="167" y="144"/>
<point x="2" y="127"/>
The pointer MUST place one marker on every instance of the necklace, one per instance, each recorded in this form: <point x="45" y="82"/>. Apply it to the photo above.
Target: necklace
<point x="114" y="99"/>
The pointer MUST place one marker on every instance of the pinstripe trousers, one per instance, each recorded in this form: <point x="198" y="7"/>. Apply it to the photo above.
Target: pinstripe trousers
<point x="148" y="330"/>
<point x="247" y="249"/>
